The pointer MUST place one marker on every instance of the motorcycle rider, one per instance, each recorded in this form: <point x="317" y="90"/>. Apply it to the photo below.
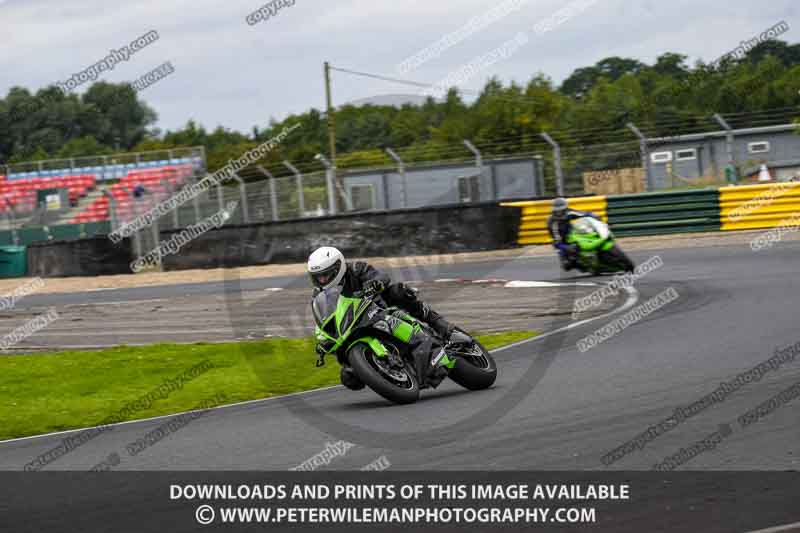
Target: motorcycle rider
<point x="327" y="268"/>
<point x="559" y="225"/>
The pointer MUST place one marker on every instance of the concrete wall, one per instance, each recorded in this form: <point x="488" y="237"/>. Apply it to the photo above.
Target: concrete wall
<point x="445" y="229"/>
<point x="449" y="229"/>
<point x="96" y="256"/>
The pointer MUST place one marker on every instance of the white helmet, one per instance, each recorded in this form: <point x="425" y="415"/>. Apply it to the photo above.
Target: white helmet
<point x="326" y="267"/>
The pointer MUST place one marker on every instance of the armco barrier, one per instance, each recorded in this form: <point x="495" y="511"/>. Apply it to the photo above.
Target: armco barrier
<point x="758" y="206"/>
<point x="664" y="213"/>
<point x="533" y="226"/>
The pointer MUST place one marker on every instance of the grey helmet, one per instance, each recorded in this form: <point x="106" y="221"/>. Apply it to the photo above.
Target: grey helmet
<point x="560" y="207"/>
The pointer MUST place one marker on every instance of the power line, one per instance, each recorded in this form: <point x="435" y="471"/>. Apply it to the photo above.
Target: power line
<point x="517" y="99"/>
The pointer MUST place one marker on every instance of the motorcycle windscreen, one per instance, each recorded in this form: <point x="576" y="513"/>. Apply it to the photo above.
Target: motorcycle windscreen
<point x="324" y="304"/>
<point x="589" y="225"/>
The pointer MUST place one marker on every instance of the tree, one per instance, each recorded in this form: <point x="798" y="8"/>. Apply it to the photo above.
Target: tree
<point x="667" y="97"/>
<point x="82" y="147"/>
<point x="613" y="68"/>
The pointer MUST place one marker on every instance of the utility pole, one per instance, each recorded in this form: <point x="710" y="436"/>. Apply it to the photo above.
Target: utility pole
<point x="331" y="117"/>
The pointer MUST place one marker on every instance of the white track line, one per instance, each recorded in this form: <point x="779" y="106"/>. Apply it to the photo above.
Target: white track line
<point x="119" y="302"/>
<point x="633" y="297"/>
<point x="161" y="417"/>
<point x="517" y="284"/>
<point x="777" y="529"/>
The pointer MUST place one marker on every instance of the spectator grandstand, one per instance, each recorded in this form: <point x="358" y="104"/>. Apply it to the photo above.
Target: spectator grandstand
<point x="20" y="195"/>
<point x="157" y="182"/>
<point x="70" y="198"/>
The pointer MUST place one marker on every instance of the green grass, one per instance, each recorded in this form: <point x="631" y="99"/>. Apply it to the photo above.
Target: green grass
<point x="67" y="390"/>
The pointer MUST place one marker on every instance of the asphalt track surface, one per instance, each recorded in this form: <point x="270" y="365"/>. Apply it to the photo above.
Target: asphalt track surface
<point x="561" y="409"/>
<point x="273" y="306"/>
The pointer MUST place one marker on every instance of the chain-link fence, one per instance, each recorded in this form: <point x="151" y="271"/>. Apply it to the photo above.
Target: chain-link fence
<point x="562" y="164"/>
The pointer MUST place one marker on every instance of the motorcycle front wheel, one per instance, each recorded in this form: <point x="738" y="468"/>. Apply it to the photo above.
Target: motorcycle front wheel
<point x="396" y="385"/>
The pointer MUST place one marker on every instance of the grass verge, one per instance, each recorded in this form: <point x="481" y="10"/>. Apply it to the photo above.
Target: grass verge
<point x="67" y="390"/>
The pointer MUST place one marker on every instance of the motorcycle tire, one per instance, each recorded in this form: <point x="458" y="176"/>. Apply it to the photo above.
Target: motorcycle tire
<point x="615" y="256"/>
<point x="369" y="368"/>
<point x="475" y="372"/>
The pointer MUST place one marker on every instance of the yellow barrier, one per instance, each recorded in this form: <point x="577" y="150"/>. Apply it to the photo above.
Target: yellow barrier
<point x="758" y="206"/>
<point x="533" y="227"/>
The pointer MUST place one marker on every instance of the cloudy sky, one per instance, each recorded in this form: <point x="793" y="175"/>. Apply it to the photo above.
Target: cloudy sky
<point x="231" y="73"/>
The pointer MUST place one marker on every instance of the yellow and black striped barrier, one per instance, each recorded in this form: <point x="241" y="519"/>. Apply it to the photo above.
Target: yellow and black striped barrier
<point x="747" y="207"/>
<point x="533" y="225"/>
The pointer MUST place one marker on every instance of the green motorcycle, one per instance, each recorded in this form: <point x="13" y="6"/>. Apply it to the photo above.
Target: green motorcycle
<point x="376" y="342"/>
<point x="597" y="251"/>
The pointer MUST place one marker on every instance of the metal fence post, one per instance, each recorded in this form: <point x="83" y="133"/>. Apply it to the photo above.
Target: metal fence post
<point x="170" y="190"/>
<point x="301" y="197"/>
<point x="645" y="150"/>
<point x="203" y="156"/>
<point x="728" y="142"/>
<point x="556" y="163"/>
<point x="401" y="169"/>
<point x="220" y="197"/>
<point x="273" y="194"/>
<point x="137" y="236"/>
<point x="196" y="202"/>
<point x="479" y="164"/>
<point x="243" y="198"/>
<point x="112" y="204"/>
<point x="330" y="176"/>
<point x="156" y="241"/>
<point x="12" y="221"/>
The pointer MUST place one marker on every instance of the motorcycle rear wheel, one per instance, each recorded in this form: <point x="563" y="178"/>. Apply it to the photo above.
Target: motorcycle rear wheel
<point x="475" y="368"/>
<point x="617" y="258"/>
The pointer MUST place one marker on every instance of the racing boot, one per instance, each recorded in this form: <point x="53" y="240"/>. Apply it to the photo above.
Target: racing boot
<point x="406" y="297"/>
<point x="430" y="360"/>
<point x="569" y="257"/>
<point x="442" y="327"/>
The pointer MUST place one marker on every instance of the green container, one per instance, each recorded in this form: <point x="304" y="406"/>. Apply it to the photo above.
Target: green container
<point x="13" y="262"/>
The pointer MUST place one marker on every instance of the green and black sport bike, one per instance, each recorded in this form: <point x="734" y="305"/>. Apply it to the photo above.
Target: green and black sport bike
<point x="382" y="345"/>
<point x="597" y="250"/>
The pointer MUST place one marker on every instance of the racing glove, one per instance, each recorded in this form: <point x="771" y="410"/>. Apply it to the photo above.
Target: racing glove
<point x="374" y="287"/>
